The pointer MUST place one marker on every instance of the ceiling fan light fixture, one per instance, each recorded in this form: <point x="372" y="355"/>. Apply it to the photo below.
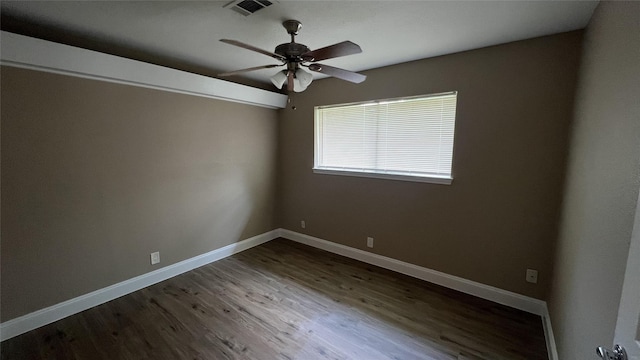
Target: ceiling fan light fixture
<point x="279" y="79"/>
<point x="297" y="86"/>
<point x="302" y="80"/>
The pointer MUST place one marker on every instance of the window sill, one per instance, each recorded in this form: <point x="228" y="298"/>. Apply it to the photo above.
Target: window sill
<point x="442" y="180"/>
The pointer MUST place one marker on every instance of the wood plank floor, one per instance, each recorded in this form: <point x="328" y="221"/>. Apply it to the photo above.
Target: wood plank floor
<point x="284" y="300"/>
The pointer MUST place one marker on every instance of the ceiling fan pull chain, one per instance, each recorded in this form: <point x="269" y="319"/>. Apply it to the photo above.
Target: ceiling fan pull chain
<point x="293" y="106"/>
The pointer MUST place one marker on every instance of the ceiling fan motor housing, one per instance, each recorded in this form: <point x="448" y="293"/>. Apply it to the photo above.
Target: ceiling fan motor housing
<point x="293" y="51"/>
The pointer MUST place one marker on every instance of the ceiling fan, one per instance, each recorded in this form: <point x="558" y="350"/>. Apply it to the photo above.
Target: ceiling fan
<point x="294" y="56"/>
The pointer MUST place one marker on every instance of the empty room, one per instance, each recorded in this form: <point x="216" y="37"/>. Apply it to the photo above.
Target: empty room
<point x="252" y="179"/>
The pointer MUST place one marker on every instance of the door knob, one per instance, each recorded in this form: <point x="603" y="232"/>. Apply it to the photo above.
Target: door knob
<point x="618" y="353"/>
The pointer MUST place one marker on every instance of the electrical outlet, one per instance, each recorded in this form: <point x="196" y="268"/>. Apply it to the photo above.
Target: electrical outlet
<point x="532" y="276"/>
<point x="155" y="258"/>
<point x="303" y="224"/>
<point x="369" y="242"/>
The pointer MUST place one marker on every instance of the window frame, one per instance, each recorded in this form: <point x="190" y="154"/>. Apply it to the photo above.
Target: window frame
<point x="373" y="173"/>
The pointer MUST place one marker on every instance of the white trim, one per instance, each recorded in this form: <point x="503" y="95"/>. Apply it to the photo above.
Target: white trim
<point x="30" y="53"/>
<point x="443" y="180"/>
<point x="390" y="100"/>
<point x="552" y="350"/>
<point x="36" y="319"/>
<point x="483" y="291"/>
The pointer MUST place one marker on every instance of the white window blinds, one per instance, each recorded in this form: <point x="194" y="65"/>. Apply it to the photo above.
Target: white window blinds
<point x="410" y="137"/>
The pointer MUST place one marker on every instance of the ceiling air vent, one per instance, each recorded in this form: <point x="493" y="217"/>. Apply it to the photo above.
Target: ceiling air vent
<point x="248" y="7"/>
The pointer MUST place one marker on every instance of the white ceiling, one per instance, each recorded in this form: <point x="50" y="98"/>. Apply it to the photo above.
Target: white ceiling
<point x="389" y="32"/>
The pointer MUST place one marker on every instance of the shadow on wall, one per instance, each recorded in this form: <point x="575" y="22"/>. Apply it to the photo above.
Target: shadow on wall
<point x="221" y="214"/>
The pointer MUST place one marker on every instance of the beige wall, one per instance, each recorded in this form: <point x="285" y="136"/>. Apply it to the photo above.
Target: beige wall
<point x="603" y="177"/>
<point x="499" y="217"/>
<point x="96" y="176"/>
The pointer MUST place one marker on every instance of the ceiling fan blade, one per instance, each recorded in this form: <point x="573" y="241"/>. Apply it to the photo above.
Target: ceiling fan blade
<point x="249" y="69"/>
<point x="290" y="81"/>
<point x="253" y="48"/>
<point x="343" y="74"/>
<point x="332" y="51"/>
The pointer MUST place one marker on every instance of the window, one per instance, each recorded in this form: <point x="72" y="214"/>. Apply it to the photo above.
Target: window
<point x="406" y="138"/>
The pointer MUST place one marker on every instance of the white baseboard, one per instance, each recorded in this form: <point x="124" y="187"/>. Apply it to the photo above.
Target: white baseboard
<point x="59" y="311"/>
<point x="500" y="296"/>
<point x="552" y="350"/>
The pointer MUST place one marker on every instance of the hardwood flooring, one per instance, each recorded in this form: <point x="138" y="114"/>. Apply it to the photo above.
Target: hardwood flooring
<point x="284" y="300"/>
